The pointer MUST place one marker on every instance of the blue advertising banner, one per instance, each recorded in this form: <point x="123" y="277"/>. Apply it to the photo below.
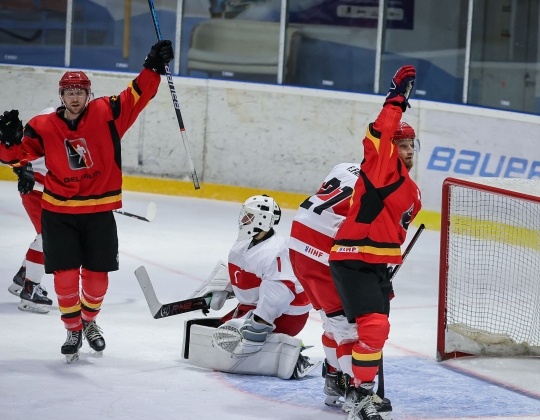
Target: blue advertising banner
<point x="357" y="13"/>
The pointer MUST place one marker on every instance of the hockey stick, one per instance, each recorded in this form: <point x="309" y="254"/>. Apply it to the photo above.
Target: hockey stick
<point x="163" y="310"/>
<point x="175" y="100"/>
<point x="380" y="374"/>
<point x="150" y="213"/>
<point x="408" y="249"/>
<point x="31" y="38"/>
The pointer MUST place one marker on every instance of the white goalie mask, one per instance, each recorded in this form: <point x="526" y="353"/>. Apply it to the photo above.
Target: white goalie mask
<point x="259" y="213"/>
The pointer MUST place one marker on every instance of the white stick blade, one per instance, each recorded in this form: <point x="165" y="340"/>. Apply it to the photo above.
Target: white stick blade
<point x="148" y="290"/>
<point x="151" y="212"/>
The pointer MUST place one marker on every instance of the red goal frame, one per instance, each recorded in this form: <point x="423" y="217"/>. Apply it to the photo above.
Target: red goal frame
<point x="444" y="254"/>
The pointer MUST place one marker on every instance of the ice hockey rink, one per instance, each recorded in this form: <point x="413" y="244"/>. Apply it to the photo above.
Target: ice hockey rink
<point x="142" y="375"/>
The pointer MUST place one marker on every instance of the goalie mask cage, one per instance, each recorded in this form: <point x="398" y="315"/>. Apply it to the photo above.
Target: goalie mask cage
<point x="489" y="278"/>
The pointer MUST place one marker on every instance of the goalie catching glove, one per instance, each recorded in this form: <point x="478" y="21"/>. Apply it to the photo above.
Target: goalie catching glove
<point x="11" y="128"/>
<point x="242" y="339"/>
<point x="218" y="285"/>
<point x="401" y="87"/>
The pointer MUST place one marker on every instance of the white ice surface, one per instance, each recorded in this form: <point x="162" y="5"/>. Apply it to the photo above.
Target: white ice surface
<point x="143" y="376"/>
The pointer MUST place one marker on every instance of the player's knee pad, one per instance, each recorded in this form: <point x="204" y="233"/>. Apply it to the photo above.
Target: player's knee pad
<point x="66" y="283"/>
<point x="94" y="283"/>
<point x="341" y="329"/>
<point x="373" y="329"/>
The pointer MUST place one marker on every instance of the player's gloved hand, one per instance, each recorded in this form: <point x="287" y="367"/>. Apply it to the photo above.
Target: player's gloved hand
<point x="254" y="332"/>
<point x="218" y="285"/>
<point x="11" y="128"/>
<point x="26" y="178"/>
<point x="401" y="87"/>
<point x="159" y="56"/>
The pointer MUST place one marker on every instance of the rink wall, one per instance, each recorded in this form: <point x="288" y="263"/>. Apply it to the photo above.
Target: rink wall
<point x="251" y="138"/>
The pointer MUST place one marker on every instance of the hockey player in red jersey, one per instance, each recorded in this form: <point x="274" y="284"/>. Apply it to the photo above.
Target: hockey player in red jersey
<point x="384" y="202"/>
<point x="83" y="185"/>
<point x="271" y="300"/>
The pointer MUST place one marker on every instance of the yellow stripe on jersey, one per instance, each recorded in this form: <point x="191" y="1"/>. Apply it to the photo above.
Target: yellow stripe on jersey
<point x="69" y="310"/>
<point x="81" y="203"/>
<point x="376" y="142"/>
<point x="136" y="96"/>
<point x="369" y="357"/>
<point x="367" y="250"/>
<point x="90" y="305"/>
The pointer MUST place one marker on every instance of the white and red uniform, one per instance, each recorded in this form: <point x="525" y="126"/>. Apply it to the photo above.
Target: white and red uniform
<point x="32" y="204"/>
<point x="263" y="280"/>
<point x="312" y="237"/>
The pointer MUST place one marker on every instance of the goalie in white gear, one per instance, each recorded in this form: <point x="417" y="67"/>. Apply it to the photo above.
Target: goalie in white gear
<point x="271" y="301"/>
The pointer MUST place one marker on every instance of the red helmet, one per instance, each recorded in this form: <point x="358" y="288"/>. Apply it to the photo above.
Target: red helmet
<point x="404" y="131"/>
<point x="74" y="80"/>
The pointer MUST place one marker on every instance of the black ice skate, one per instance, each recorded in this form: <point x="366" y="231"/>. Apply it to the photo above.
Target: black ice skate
<point x="93" y="334"/>
<point x="34" y="298"/>
<point x="334" y="387"/>
<point x="18" y="282"/>
<point x="383" y="407"/>
<point x="361" y="403"/>
<point x="72" y="345"/>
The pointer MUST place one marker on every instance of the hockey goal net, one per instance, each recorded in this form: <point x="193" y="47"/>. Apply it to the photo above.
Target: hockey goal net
<point x="489" y="280"/>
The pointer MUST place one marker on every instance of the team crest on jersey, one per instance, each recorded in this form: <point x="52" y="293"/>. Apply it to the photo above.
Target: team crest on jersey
<point x="78" y="154"/>
<point x="406" y="217"/>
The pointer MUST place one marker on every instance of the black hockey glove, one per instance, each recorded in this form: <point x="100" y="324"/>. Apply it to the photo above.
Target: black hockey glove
<point x="26" y="178"/>
<point x="11" y="128"/>
<point x="401" y="87"/>
<point x="159" y="56"/>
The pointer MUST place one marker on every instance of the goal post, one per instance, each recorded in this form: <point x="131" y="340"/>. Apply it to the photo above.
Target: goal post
<point x="489" y="271"/>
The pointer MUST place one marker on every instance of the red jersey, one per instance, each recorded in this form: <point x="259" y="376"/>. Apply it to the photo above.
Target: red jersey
<point x="384" y="202"/>
<point x="83" y="157"/>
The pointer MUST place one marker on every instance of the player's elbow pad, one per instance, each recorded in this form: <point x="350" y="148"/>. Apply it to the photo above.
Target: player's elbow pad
<point x="274" y="299"/>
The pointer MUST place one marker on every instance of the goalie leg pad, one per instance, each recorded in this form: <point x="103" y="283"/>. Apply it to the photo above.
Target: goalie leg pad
<point x="277" y="357"/>
<point x="209" y="322"/>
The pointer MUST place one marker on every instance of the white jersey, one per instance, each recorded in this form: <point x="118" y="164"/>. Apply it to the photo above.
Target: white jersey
<point x="267" y="261"/>
<point x="318" y="218"/>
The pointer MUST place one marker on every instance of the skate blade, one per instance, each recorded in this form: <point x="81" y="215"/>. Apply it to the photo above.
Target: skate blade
<point x="385" y="415"/>
<point x="306" y="372"/>
<point x="34" y="307"/>
<point x="70" y="358"/>
<point x="15" y="289"/>
<point x="334" y="401"/>
<point x="96" y="354"/>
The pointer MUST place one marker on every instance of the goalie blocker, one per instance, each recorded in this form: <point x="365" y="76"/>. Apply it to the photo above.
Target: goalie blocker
<point x="279" y="356"/>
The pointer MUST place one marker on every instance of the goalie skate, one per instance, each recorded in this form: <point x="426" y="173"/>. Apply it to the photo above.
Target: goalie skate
<point x="304" y="366"/>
